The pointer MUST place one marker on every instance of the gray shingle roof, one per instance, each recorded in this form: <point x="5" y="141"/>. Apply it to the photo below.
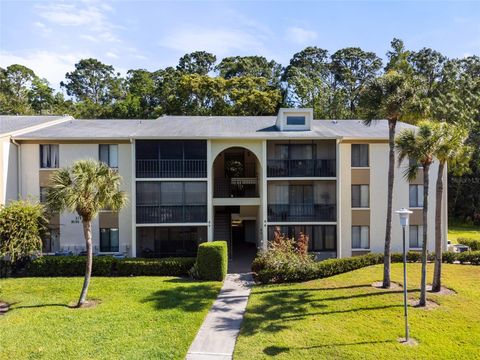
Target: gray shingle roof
<point x="213" y="127"/>
<point x="10" y="124"/>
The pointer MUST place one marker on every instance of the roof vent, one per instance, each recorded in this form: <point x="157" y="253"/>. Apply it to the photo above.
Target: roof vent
<point x="334" y="121"/>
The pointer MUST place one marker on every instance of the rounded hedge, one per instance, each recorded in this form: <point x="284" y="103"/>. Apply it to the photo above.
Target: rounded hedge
<point x="212" y="260"/>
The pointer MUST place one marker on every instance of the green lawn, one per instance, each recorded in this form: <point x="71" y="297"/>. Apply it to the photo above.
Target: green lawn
<point x="138" y="318"/>
<point x="344" y="317"/>
<point x="456" y="231"/>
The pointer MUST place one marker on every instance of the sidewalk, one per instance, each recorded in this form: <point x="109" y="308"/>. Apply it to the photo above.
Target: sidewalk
<point x="218" y="333"/>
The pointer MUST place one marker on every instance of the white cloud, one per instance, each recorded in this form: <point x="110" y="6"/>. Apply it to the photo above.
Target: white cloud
<point x="299" y="35"/>
<point x="50" y="65"/>
<point x="88" y="15"/>
<point x="111" y="54"/>
<point x="220" y="41"/>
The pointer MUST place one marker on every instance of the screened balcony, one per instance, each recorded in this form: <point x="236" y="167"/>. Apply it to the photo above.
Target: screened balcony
<point x="301" y="201"/>
<point x="301" y="158"/>
<point x="171" y="159"/>
<point x="301" y="212"/>
<point x="171" y="202"/>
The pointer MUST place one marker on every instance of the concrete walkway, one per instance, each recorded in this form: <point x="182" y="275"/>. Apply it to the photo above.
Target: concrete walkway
<point x="217" y="335"/>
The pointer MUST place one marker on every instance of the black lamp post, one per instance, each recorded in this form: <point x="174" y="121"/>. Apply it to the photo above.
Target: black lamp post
<point x="404" y="214"/>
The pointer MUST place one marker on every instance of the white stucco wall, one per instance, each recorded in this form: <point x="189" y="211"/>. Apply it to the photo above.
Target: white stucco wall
<point x="8" y="171"/>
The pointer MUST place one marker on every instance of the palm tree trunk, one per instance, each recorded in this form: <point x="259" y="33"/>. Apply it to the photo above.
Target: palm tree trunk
<point x="388" y="225"/>
<point x="437" y="273"/>
<point x="423" y="285"/>
<point x="87" y="232"/>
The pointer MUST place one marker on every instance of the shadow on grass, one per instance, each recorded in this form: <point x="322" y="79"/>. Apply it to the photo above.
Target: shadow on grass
<point x="277" y="350"/>
<point x="191" y="298"/>
<point x="276" y="310"/>
<point x="13" y="306"/>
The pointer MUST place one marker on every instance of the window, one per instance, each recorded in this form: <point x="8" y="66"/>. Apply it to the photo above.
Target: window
<point x="360" y="196"/>
<point x="108" y="154"/>
<point x="360" y="155"/>
<point x="360" y="237"/>
<point x="49" y="156"/>
<point x="416" y="195"/>
<point x="416" y="236"/>
<point x="295" y="120"/>
<point x="109" y="240"/>
<point x="43" y="194"/>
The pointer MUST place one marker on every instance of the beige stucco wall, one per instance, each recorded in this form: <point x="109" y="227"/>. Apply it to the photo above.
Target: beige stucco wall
<point x="71" y="231"/>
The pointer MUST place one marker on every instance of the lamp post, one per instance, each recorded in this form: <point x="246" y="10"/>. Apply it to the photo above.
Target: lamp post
<point x="404" y="214"/>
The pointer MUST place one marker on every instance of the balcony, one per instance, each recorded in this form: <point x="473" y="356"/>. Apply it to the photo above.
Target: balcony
<point x="235" y="188"/>
<point x="301" y="168"/>
<point x="156" y="214"/>
<point x="301" y="212"/>
<point x="171" y="168"/>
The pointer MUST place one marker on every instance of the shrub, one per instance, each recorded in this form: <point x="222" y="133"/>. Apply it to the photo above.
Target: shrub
<point x="154" y="267"/>
<point x="108" y="266"/>
<point x="472" y="257"/>
<point x="212" y="260"/>
<point x="284" y="261"/>
<point x="69" y="266"/>
<point x="449" y="257"/>
<point x="474" y="245"/>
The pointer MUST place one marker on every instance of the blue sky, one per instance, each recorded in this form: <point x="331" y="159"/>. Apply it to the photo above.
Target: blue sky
<point x="50" y="36"/>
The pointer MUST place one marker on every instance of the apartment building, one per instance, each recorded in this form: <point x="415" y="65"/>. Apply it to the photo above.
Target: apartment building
<point x="192" y="179"/>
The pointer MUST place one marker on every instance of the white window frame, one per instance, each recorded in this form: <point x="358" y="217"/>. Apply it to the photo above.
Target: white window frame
<point x="364" y="232"/>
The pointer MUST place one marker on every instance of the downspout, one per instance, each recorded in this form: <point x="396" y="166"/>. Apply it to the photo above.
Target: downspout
<point x="19" y="167"/>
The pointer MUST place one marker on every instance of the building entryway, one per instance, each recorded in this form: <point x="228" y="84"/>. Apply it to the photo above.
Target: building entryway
<point x="240" y="233"/>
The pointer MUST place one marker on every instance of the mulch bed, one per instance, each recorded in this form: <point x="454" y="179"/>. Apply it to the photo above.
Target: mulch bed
<point x="393" y="285"/>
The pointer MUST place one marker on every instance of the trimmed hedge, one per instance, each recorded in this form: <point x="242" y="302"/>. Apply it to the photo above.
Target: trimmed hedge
<point x="154" y="267"/>
<point x="474" y="245"/>
<point x="333" y="267"/>
<point x="212" y="260"/>
<point x="472" y="257"/>
<point x="108" y="266"/>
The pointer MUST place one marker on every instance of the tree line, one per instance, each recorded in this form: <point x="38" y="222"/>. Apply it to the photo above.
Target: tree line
<point x="349" y="83"/>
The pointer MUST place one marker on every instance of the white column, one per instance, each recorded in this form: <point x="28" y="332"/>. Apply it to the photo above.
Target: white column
<point x="134" y="201"/>
<point x="339" y="197"/>
<point x="263" y="195"/>
<point x="209" y="191"/>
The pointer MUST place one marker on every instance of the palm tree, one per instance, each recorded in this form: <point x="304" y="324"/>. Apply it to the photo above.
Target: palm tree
<point x="393" y="96"/>
<point x="452" y="151"/>
<point x="86" y="188"/>
<point x="420" y="145"/>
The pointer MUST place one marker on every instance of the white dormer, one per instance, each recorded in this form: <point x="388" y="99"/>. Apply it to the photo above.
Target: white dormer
<point x="289" y="119"/>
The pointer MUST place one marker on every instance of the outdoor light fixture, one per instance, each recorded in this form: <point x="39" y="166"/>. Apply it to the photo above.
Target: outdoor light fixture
<point x="404" y="214"/>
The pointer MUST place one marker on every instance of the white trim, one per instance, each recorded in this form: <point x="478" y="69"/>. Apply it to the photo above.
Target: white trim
<point x="133" y="200"/>
<point x="301" y="223"/>
<point x="171" y="224"/>
<point x="360" y="208"/>
<point x="360" y="249"/>
<point x="210" y="209"/>
<point x="299" y="178"/>
<point x="360" y="167"/>
<point x="171" y="179"/>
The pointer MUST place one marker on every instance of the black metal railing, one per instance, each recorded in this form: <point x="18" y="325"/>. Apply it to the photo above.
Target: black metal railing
<point x="171" y="168"/>
<point x="302" y="212"/>
<point x="301" y="168"/>
<point x="235" y="188"/>
<point x="155" y="214"/>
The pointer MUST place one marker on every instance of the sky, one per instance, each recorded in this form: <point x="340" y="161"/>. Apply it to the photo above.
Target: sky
<point x="51" y="36"/>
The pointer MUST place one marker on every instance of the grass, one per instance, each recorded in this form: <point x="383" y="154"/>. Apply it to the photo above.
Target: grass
<point x="344" y="317"/>
<point x="137" y="318"/>
<point x="456" y="231"/>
